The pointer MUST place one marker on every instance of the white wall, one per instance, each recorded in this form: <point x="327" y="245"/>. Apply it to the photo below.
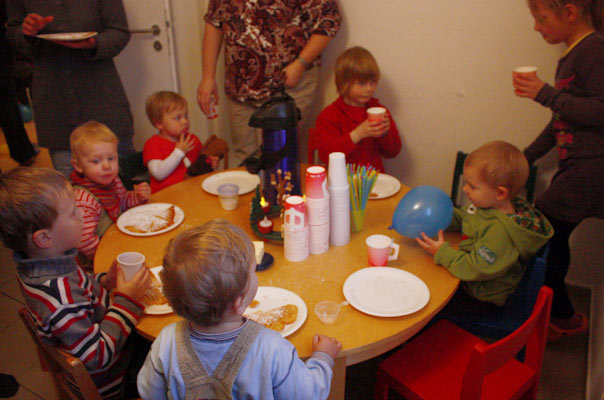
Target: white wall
<point x="446" y="78"/>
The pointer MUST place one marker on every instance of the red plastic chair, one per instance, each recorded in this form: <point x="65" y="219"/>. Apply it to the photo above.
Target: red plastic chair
<point x="446" y="362"/>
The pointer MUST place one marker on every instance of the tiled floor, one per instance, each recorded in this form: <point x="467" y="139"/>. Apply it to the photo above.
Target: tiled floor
<point x="563" y="375"/>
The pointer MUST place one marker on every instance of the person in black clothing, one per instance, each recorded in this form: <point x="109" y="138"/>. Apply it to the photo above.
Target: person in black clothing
<point x="20" y="148"/>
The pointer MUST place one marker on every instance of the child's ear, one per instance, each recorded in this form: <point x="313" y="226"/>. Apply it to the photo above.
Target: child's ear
<point x="238" y="306"/>
<point x="76" y="165"/>
<point x="42" y="238"/>
<point x="502" y="193"/>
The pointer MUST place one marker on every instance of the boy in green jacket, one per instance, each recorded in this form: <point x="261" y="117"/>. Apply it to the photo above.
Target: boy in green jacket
<point x="501" y="230"/>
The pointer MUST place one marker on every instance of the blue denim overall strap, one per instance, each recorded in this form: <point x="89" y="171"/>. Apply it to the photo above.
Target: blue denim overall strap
<point x="200" y="386"/>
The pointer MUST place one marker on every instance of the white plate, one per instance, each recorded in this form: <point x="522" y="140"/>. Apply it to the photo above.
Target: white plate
<point x="157" y="309"/>
<point x="385" y="186"/>
<point x="386" y="292"/>
<point x="270" y="297"/>
<point x="67" y="36"/>
<point x="246" y="181"/>
<point x="145" y="213"/>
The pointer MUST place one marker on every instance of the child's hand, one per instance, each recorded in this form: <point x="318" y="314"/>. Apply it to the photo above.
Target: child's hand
<point x="214" y="160"/>
<point x="527" y="86"/>
<point x="329" y="345"/>
<point x="142" y="191"/>
<point x="33" y="23"/>
<point x="185" y="143"/>
<point x="110" y="279"/>
<point x="368" y="128"/>
<point x="429" y="244"/>
<point x="135" y="287"/>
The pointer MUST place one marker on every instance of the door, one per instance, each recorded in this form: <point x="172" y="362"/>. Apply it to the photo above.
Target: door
<point x="147" y="64"/>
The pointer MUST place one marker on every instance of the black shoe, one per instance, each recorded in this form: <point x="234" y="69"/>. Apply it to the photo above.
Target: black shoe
<point x="8" y="386"/>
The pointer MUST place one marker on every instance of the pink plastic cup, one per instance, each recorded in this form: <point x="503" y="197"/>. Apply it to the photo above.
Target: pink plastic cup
<point x="381" y="249"/>
<point x="316" y="182"/>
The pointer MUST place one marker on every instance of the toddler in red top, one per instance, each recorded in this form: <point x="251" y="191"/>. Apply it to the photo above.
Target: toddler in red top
<point x="100" y="193"/>
<point x="343" y="125"/>
<point x="173" y="152"/>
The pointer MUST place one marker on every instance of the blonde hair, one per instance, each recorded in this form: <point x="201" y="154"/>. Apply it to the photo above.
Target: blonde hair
<point x="585" y="7"/>
<point x="28" y="203"/>
<point x="355" y="64"/>
<point x="162" y="102"/>
<point x="500" y="163"/>
<point x="206" y="268"/>
<point x="90" y="132"/>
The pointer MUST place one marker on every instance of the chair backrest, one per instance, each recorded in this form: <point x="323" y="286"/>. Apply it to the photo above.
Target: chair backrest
<point x="531" y="336"/>
<point x="216" y="146"/>
<point x="133" y="170"/>
<point x="69" y="374"/>
<point x="529" y="187"/>
<point x="313" y="152"/>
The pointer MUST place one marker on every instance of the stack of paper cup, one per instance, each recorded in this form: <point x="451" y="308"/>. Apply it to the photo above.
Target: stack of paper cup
<point x="339" y="203"/>
<point x="317" y="207"/>
<point x="295" y="229"/>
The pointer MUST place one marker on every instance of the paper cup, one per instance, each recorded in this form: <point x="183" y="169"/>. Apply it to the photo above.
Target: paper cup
<point x="381" y="249"/>
<point x="294" y="216"/>
<point x="228" y="194"/>
<point x="337" y="175"/>
<point x="375" y="114"/>
<point x="318" y="238"/>
<point x="316" y="182"/>
<point x="130" y="262"/>
<point x="295" y="244"/>
<point x="317" y="210"/>
<point x="528" y="71"/>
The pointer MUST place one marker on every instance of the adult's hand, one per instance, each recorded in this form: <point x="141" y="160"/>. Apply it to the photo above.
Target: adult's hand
<point x="293" y="73"/>
<point x="33" y="23"/>
<point x="207" y="93"/>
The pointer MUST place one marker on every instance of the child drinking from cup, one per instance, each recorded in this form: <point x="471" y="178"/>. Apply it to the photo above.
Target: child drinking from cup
<point x="576" y="191"/>
<point x="210" y="279"/>
<point x="100" y="193"/>
<point x="72" y="310"/>
<point x="501" y="231"/>
<point x="348" y="125"/>
<point x="173" y="152"/>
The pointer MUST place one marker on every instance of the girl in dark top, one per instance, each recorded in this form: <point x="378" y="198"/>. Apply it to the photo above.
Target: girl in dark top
<point x="576" y="130"/>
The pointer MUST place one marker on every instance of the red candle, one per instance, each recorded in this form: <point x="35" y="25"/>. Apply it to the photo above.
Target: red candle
<point x="265" y="205"/>
<point x="265" y="226"/>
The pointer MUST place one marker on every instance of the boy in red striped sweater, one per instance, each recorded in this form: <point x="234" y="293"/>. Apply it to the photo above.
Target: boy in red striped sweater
<point x="100" y="193"/>
<point x="73" y="310"/>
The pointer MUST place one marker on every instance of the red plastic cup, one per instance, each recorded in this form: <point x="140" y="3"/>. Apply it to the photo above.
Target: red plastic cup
<point x="316" y="182"/>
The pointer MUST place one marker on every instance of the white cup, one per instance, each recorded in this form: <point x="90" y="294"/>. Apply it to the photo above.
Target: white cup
<point x="228" y="194"/>
<point x="381" y="249"/>
<point x="528" y="71"/>
<point x="375" y="114"/>
<point x="130" y="262"/>
<point x="337" y="176"/>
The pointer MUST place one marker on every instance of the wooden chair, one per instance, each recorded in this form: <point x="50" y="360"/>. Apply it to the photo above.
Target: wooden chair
<point x="446" y="362"/>
<point x="216" y="146"/>
<point x="71" y="378"/>
<point x="529" y="187"/>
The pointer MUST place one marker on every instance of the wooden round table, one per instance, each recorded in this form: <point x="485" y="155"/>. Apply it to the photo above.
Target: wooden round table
<point x="319" y="277"/>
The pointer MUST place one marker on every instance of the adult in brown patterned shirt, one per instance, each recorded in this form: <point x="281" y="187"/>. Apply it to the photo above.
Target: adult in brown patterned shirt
<point x="268" y="44"/>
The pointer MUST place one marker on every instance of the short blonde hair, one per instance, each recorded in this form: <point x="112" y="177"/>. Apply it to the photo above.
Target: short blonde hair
<point x="355" y="64"/>
<point x="90" y="132"/>
<point x="500" y="163"/>
<point x="584" y="6"/>
<point x="162" y="102"/>
<point x="28" y="203"/>
<point x="206" y="268"/>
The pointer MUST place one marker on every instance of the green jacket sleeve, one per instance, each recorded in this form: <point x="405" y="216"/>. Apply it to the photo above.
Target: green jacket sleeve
<point x="489" y="256"/>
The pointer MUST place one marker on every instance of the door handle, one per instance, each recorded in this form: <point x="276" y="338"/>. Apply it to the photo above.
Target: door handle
<point x="153" y="30"/>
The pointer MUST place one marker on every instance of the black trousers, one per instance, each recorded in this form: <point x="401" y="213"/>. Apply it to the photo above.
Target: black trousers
<point x="558" y="261"/>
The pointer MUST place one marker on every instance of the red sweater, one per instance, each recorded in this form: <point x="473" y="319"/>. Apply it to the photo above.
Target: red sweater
<point x="333" y="128"/>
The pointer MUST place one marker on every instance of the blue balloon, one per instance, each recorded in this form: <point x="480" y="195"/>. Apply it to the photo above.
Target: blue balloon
<point x="423" y="209"/>
<point x="26" y="114"/>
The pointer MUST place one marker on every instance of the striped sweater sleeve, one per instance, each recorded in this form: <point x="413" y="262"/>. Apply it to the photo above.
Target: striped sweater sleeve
<point x="127" y="198"/>
<point x="78" y="315"/>
<point x="91" y="213"/>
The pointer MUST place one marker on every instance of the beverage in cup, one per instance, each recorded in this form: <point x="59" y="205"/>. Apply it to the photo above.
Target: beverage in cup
<point x="528" y="71"/>
<point x="228" y="194"/>
<point x="375" y="114"/>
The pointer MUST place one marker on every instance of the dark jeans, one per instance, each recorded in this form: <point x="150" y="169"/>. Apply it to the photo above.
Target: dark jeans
<point x="558" y="261"/>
